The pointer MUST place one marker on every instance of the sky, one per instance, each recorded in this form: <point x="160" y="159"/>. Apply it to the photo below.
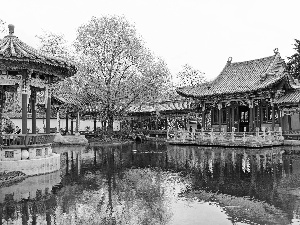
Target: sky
<point x="201" y="33"/>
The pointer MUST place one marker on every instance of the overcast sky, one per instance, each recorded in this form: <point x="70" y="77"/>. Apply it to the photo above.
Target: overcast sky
<point x="202" y="33"/>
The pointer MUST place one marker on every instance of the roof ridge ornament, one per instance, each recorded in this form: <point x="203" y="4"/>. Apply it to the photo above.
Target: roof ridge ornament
<point x="229" y="59"/>
<point x="11" y="29"/>
<point x="276" y="51"/>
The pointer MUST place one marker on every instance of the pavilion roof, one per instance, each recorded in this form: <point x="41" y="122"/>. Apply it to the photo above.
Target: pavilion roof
<point x="13" y="49"/>
<point x="241" y="77"/>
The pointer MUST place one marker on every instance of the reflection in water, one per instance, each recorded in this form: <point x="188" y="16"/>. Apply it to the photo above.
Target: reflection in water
<point x="115" y="185"/>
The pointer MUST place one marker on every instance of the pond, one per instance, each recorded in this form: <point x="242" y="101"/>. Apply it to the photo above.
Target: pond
<point x="157" y="183"/>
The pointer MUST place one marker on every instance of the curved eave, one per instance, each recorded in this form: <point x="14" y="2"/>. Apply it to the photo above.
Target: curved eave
<point x="16" y="54"/>
<point x="210" y="95"/>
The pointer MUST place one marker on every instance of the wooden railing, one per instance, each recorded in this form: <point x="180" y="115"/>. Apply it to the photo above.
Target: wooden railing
<point x="26" y="139"/>
<point x="292" y="134"/>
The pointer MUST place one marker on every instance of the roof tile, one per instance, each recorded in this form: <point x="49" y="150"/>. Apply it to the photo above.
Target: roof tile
<point x="240" y="77"/>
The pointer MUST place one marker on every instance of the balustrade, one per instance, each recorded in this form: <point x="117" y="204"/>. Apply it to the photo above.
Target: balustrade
<point x="26" y="139"/>
<point x="220" y="137"/>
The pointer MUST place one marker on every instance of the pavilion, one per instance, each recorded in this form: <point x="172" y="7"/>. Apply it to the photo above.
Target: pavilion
<point x="29" y="73"/>
<point x="248" y="95"/>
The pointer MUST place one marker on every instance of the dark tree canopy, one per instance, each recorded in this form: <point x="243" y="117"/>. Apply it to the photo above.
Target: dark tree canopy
<point x="293" y="64"/>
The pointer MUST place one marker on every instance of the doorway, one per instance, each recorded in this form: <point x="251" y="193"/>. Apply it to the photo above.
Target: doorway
<point x="243" y="118"/>
<point x="238" y="117"/>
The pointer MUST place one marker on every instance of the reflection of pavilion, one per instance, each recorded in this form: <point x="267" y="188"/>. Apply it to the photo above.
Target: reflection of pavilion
<point x="29" y="200"/>
<point x="30" y="188"/>
<point x="268" y="177"/>
<point x="27" y="75"/>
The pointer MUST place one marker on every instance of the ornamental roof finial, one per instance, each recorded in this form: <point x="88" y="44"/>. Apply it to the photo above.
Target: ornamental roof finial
<point x="11" y="29"/>
<point x="229" y="60"/>
<point x="276" y="51"/>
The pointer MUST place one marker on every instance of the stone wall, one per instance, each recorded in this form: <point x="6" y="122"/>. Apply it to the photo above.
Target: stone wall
<point x="33" y="166"/>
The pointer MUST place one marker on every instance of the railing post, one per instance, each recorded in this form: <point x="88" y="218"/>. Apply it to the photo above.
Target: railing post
<point x="232" y="134"/>
<point x="264" y="132"/>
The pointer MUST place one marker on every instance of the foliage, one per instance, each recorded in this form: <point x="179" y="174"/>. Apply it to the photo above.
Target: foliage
<point x="54" y="44"/>
<point x="2" y="26"/>
<point x="116" y="69"/>
<point x="7" y="125"/>
<point x="293" y="64"/>
<point x="136" y="196"/>
<point x="190" y="76"/>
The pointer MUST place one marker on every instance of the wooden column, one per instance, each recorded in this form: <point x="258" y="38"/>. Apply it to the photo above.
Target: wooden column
<point x="220" y="116"/>
<point x="67" y="122"/>
<point x="251" y="119"/>
<point x="258" y="113"/>
<point x="289" y="117"/>
<point x="48" y="109"/>
<point x="72" y="126"/>
<point x="58" y="121"/>
<point x="228" y="119"/>
<point x="24" y="103"/>
<point x="33" y="111"/>
<point x="251" y="115"/>
<point x="280" y="117"/>
<point x="48" y="114"/>
<point x="95" y="124"/>
<point x="77" y="123"/>
<point x="273" y="117"/>
<point x="203" y="118"/>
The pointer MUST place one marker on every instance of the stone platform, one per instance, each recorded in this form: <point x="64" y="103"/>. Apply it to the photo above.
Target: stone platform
<point x="76" y="139"/>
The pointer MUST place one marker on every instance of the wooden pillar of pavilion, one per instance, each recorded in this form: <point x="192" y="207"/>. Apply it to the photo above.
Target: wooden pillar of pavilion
<point x="67" y="122"/>
<point x="273" y="117"/>
<point x="58" y="121"/>
<point x="280" y="117"/>
<point x="24" y="102"/>
<point x="95" y="124"/>
<point x="251" y="115"/>
<point x="77" y="128"/>
<point x="48" y="105"/>
<point x="220" y="116"/>
<point x="33" y="110"/>
<point x="203" y="117"/>
<point x="48" y="112"/>
<point x="72" y="126"/>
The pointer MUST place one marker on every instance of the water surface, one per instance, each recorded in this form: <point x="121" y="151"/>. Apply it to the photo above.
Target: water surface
<point x="155" y="183"/>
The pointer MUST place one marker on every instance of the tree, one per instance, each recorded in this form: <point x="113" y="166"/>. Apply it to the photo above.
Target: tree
<point x="293" y="64"/>
<point x="117" y="67"/>
<point x="55" y="44"/>
<point x="189" y="76"/>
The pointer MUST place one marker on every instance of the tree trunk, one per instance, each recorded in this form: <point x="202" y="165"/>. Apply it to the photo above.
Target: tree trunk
<point x="110" y="121"/>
